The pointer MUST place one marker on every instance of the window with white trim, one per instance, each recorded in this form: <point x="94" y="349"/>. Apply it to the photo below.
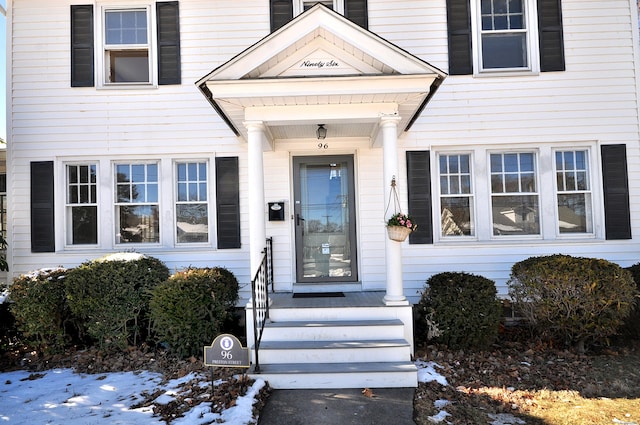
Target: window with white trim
<point x="456" y="195"/>
<point x="192" y="208"/>
<point x="515" y="203"/>
<point x="81" y="208"/>
<point x="137" y="214"/>
<point x="300" y="6"/>
<point x="503" y="35"/>
<point x="126" y="47"/>
<point x="573" y="187"/>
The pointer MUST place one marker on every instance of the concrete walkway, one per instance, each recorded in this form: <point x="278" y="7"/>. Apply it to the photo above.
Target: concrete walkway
<point x="339" y="407"/>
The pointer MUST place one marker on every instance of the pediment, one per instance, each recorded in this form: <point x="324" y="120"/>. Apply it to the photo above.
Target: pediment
<point x="325" y="60"/>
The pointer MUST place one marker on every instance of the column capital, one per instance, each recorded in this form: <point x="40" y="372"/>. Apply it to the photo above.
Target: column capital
<point x="254" y="125"/>
<point x="389" y="120"/>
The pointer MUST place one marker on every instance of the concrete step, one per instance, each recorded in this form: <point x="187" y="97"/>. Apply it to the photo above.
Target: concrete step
<point x="339" y="375"/>
<point x="274" y="352"/>
<point x="333" y="330"/>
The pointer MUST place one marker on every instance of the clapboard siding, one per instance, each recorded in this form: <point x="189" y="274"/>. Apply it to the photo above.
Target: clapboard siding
<point x="594" y="100"/>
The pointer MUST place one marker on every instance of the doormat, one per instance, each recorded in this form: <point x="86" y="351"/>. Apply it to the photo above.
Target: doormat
<point x="318" y="295"/>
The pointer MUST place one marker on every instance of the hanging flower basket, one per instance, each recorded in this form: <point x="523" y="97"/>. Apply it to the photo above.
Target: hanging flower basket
<point x="398" y="233"/>
<point x="399" y="226"/>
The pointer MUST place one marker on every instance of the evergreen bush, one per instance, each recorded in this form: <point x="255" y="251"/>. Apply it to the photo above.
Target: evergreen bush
<point x="460" y="310"/>
<point x="572" y="299"/>
<point x="631" y="326"/>
<point x="110" y="296"/>
<point x="190" y="309"/>
<point x="39" y="307"/>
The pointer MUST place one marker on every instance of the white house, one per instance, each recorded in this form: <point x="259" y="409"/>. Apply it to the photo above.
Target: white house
<point x="194" y="130"/>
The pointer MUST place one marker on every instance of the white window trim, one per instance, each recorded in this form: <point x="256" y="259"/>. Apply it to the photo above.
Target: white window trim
<point x="472" y="196"/>
<point x="533" y="50"/>
<point x="298" y="6"/>
<point x="210" y="201"/>
<point x="115" y="204"/>
<point x="546" y="189"/>
<point x="100" y="47"/>
<point x="64" y="210"/>
<point x="592" y="162"/>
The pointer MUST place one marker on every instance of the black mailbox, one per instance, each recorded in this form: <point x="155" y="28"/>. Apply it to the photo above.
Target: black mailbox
<point x="276" y="211"/>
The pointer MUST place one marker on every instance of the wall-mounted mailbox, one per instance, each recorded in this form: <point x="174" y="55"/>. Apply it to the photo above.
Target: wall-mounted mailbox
<point x="276" y="211"/>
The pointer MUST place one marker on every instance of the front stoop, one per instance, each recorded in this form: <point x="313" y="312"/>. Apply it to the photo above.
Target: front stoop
<point x="361" y="346"/>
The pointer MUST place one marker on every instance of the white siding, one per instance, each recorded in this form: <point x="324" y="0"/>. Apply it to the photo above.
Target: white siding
<point x="594" y="100"/>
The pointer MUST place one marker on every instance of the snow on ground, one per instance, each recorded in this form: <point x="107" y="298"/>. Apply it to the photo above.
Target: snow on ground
<point x="61" y="396"/>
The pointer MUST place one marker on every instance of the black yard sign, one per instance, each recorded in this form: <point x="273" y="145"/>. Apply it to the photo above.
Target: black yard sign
<point x="226" y="351"/>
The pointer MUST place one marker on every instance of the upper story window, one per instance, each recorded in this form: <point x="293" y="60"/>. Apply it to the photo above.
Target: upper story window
<point x="504" y="35"/>
<point x="488" y="36"/>
<point x="126" y="46"/>
<point x="283" y="11"/>
<point x="135" y="45"/>
<point x="82" y="204"/>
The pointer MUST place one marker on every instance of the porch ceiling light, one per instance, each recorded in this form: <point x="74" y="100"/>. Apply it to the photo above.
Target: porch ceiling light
<point x="321" y="132"/>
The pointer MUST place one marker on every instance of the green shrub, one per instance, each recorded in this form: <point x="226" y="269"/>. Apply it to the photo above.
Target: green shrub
<point x="631" y="326"/>
<point x="38" y="304"/>
<point x="460" y="310"/>
<point x="8" y="329"/>
<point x="572" y="299"/>
<point x="190" y="308"/>
<point x="111" y="297"/>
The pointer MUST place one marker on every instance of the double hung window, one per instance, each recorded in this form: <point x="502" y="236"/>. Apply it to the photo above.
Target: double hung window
<point x="192" y="211"/>
<point x="137" y="203"/>
<point x="514" y="196"/>
<point x="126" y="46"/>
<point x="81" y="204"/>
<point x="573" y="192"/>
<point x="504" y="35"/>
<point x="456" y="195"/>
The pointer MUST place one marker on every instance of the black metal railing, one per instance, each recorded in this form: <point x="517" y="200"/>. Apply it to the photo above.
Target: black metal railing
<point x="260" y="293"/>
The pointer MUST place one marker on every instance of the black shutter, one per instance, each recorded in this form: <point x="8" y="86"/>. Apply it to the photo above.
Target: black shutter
<point x="82" y="46"/>
<point x="550" y="34"/>
<point x="419" y="193"/>
<point x="228" y="202"/>
<point x="281" y="13"/>
<point x="617" y="219"/>
<point x="42" y="219"/>
<point x="459" y="37"/>
<point x="356" y="12"/>
<point x="168" y="23"/>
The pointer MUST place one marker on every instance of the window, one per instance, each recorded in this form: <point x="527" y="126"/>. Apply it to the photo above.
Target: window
<point x="504" y="37"/>
<point x="283" y="11"/>
<point x="514" y="197"/>
<point x="82" y="204"/>
<point x="192" y="210"/>
<point x="487" y="36"/>
<point x="135" y="46"/>
<point x="137" y="207"/>
<point x="126" y="46"/>
<point x="573" y="192"/>
<point x="456" y="195"/>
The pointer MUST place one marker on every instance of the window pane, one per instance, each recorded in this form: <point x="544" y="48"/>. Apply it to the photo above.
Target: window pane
<point x="455" y="217"/>
<point x="203" y="192"/>
<point x="122" y="172"/>
<point x="139" y="224"/>
<point x="182" y="172"/>
<point x="444" y="185"/>
<point x="126" y="27"/>
<point x="182" y="191"/>
<point x="504" y="51"/>
<point x="73" y="194"/>
<point x="515" y="215"/>
<point x="72" y="174"/>
<point x="511" y="162"/>
<point x="499" y="6"/>
<point x="152" y="193"/>
<point x="515" y="6"/>
<point x="129" y="66"/>
<point x="572" y="213"/>
<point x="192" y="223"/>
<point x="84" y="225"/>
<point x="496" y="163"/>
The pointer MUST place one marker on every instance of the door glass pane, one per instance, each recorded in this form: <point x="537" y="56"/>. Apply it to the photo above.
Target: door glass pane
<point x="324" y="221"/>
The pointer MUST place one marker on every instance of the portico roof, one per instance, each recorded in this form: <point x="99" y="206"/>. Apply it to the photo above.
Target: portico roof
<point x="320" y="68"/>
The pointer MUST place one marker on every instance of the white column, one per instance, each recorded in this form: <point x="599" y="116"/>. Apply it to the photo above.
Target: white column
<point x="393" y="249"/>
<point x="257" y="208"/>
